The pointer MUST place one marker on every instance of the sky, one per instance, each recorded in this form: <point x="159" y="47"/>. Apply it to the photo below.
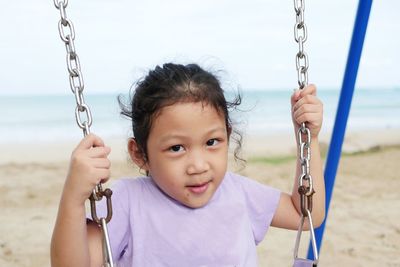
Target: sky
<point x="250" y="44"/>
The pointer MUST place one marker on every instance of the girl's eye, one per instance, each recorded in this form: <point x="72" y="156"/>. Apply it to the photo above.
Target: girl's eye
<point x="212" y="142"/>
<point x="176" y="148"/>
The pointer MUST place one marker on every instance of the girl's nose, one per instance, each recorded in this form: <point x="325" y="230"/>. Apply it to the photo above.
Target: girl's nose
<point x="197" y="163"/>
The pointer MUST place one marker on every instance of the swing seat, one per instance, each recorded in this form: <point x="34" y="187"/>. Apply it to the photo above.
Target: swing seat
<point x="304" y="263"/>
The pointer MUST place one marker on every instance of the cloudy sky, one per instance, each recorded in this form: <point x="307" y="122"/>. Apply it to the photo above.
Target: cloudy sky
<point x="251" y="41"/>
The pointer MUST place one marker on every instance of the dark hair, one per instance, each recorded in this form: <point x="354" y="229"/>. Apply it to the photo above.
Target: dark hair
<point x="168" y="85"/>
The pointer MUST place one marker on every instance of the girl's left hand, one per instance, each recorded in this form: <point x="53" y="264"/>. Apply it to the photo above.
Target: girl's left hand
<point x="306" y="107"/>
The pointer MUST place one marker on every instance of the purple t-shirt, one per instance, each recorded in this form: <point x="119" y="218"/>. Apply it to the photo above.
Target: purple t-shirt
<point x="149" y="228"/>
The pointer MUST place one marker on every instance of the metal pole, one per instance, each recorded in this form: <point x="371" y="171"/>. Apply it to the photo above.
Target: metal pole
<point x="342" y="114"/>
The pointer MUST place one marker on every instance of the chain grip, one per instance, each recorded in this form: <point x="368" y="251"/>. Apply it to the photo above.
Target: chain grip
<point x="83" y="118"/>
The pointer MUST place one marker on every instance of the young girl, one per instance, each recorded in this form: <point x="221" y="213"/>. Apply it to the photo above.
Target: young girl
<point x="188" y="210"/>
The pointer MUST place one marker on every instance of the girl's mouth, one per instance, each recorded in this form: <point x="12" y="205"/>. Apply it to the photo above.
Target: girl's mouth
<point x="198" y="189"/>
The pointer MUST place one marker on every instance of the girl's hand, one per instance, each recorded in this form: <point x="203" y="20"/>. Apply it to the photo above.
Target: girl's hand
<point x="89" y="166"/>
<point x="306" y="107"/>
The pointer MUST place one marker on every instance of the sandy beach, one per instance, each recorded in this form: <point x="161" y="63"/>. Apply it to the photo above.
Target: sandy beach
<point x="363" y="226"/>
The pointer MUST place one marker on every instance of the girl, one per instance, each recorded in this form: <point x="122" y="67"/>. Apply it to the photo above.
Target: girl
<point x="188" y="210"/>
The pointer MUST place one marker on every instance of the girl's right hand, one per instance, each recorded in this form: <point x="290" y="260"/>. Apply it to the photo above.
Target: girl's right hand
<point x="89" y="166"/>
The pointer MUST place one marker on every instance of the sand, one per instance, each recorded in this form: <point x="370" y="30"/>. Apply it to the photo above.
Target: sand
<point x="363" y="226"/>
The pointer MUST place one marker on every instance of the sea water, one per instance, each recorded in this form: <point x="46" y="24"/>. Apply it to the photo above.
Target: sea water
<point x="39" y="118"/>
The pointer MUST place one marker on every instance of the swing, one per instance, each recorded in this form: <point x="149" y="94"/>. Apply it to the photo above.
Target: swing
<point x="303" y="134"/>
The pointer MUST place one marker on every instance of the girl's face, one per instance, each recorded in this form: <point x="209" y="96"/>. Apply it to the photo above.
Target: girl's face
<point x="187" y="152"/>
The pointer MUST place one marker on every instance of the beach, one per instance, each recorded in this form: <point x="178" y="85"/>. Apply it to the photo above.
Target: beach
<point x="363" y="222"/>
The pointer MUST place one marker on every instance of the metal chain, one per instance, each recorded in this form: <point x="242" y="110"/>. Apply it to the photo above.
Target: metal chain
<point x="305" y="181"/>
<point x="67" y="35"/>
<point x="300" y="35"/>
<point x="83" y="118"/>
<point x="303" y="134"/>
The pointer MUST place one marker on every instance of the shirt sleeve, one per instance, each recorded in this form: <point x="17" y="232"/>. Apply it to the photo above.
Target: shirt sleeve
<point x="118" y="227"/>
<point x="262" y="202"/>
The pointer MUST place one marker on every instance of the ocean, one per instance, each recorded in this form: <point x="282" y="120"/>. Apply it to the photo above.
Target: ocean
<point x="37" y="118"/>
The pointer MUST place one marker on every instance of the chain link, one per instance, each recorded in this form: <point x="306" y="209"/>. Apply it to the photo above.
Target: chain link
<point x="83" y="118"/>
<point x="59" y="3"/>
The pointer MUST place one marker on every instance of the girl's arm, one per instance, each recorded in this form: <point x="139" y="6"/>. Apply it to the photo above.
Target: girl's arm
<point x="306" y="107"/>
<point x="74" y="242"/>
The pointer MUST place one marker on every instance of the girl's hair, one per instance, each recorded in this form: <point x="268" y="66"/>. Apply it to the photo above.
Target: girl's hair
<point x="168" y="85"/>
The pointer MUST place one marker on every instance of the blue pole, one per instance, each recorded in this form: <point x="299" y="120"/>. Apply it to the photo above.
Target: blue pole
<point x="342" y="113"/>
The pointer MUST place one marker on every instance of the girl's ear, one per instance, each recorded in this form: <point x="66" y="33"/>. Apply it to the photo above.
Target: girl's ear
<point x="136" y="155"/>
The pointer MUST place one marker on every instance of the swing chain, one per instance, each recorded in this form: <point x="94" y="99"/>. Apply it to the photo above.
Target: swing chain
<point x="305" y="181"/>
<point x="300" y="36"/>
<point x="67" y="35"/>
